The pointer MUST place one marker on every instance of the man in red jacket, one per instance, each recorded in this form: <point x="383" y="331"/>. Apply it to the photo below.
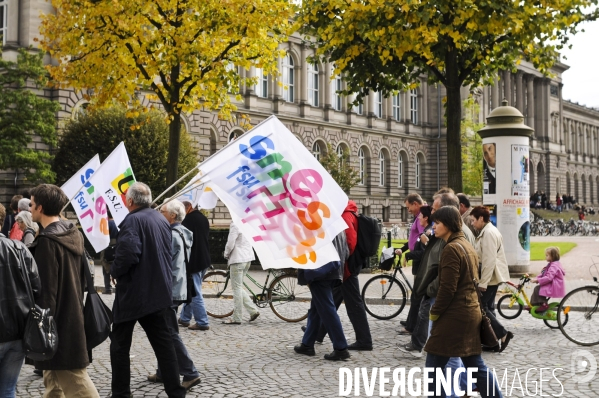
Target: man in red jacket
<point x="349" y="290"/>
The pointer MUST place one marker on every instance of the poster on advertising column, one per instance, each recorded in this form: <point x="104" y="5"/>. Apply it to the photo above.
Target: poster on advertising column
<point x="520" y="173"/>
<point x="514" y="215"/>
<point x="489" y="168"/>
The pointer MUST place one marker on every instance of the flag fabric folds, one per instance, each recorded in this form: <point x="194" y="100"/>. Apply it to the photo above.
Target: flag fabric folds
<point x="279" y="195"/>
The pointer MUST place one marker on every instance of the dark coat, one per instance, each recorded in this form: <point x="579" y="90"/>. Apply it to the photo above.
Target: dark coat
<point x="57" y="251"/>
<point x="456" y="331"/>
<point x="14" y="299"/>
<point x="142" y="265"/>
<point x="198" y="224"/>
<point x="416" y="255"/>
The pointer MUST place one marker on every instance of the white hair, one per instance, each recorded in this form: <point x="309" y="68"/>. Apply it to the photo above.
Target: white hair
<point x="24" y="204"/>
<point x="177" y="208"/>
<point x="140" y="194"/>
<point x="26" y="218"/>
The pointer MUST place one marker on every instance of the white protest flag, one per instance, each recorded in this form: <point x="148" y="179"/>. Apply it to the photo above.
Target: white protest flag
<point x="112" y="180"/>
<point x="285" y="202"/>
<point x="90" y="210"/>
<point x="202" y="195"/>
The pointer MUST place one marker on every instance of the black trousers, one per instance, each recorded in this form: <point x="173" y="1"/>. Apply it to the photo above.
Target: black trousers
<point x="488" y="302"/>
<point x="159" y="336"/>
<point x="349" y="292"/>
<point x="412" y="318"/>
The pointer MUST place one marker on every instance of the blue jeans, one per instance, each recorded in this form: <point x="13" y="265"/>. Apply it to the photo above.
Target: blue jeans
<point x="11" y="360"/>
<point x="196" y="308"/>
<point x="186" y="367"/>
<point x="474" y="361"/>
<point x="322" y="309"/>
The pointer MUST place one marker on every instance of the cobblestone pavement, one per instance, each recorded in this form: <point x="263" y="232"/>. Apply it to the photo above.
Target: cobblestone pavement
<point x="257" y="360"/>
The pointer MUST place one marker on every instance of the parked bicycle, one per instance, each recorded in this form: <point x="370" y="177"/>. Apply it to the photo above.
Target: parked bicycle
<point x="287" y="299"/>
<point x="582" y="305"/>
<point x="511" y="305"/>
<point x="385" y="295"/>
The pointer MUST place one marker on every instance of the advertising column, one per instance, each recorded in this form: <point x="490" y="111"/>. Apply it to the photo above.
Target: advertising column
<point x="506" y="182"/>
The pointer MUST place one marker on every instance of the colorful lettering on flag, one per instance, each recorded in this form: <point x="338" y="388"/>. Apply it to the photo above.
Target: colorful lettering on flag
<point x="112" y="180"/>
<point x="89" y="207"/>
<point x="280" y="196"/>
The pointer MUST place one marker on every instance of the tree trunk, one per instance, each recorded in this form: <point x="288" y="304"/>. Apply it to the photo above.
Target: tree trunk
<point x="172" y="162"/>
<point x="453" y="114"/>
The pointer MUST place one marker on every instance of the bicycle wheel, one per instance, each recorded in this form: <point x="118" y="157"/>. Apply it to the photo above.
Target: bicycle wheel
<point x="506" y="311"/>
<point x="553" y="324"/>
<point x="582" y="306"/>
<point x="384" y="297"/>
<point x="289" y="300"/>
<point x="218" y="296"/>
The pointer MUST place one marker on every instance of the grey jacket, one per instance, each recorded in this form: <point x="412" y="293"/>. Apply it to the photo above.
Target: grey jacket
<point x="178" y="267"/>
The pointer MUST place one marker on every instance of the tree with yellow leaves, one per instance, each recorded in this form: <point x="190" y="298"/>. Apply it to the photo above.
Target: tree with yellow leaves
<point x="187" y="52"/>
<point x="385" y="45"/>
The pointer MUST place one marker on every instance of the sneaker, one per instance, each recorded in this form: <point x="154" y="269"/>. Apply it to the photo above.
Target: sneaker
<point x="195" y="326"/>
<point x="304" y="350"/>
<point x="338" y="355"/>
<point x="190" y="383"/>
<point x="183" y="323"/>
<point x="254" y="317"/>
<point x="410" y="349"/>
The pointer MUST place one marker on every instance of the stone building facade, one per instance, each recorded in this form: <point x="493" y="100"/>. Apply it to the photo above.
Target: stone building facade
<point x="396" y="143"/>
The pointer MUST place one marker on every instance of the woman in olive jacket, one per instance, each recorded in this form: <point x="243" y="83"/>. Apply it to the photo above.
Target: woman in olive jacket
<point x="456" y="314"/>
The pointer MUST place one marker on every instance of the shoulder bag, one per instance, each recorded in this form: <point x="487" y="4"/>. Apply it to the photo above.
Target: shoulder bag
<point x="97" y="317"/>
<point x="40" y="339"/>
<point x="487" y="334"/>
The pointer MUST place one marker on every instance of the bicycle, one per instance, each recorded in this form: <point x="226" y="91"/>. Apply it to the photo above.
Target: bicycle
<point x="583" y="305"/>
<point x="288" y="300"/>
<point x="519" y="298"/>
<point x="384" y="295"/>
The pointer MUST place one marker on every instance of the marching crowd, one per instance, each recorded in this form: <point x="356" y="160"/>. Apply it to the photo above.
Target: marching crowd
<point x="157" y="260"/>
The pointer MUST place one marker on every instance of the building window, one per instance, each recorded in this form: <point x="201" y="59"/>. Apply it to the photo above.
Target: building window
<point x="418" y="171"/>
<point x="554" y="91"/>
<point x="381" y="169"/>
<point x="316" y="151"/>
<point x="414" y="106"/>
<point x="3" y="21"/>
<point x="400" y="170"/>
<point x="234" y="134"/>
<point x="362" y="164"/>
<point x="288" y="79"/>
<point x="396" y="107"/>
<point x="79" y="110"/>
<point x="262" y="84"/>
<point x="340" y="153"/>
<point x="378" y="104"/>
<point x="313" y="84"/>
<point x="337" y="104"/>
<point x="360" y="109"/>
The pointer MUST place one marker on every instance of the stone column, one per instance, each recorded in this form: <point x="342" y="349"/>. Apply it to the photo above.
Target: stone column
<point x="302" y="80"/>
<point x="424" y="107"/>
<point x="278" y="90"/>
<point x="250" y="73"/>
<point x="369" y="110"/>
<point x="560" y="128"/>
<point x="495" y="95"/>
<point x="507" y="87"/>
<point x="328" y="96"/>
<point x="519" y="92"/>
<point x="530" y="105"/>
<point x="351" y="112"/>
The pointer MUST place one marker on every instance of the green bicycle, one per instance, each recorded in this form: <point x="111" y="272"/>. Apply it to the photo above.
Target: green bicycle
<point x="287" y="299"/>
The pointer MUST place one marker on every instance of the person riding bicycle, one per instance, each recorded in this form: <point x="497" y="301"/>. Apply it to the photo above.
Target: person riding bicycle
<point x="551" y="281"/>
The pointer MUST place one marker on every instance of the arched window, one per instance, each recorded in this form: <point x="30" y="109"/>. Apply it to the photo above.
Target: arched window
<point x="316" y="150"/>
<point x="3" y="21"/>
<point x="288" y="78"/>
<point x="342" y="154"/>
<point x="362" y="166"/>
<point x="418" y="170"/>
<point x="262" y="84"/>
<point x="378" y="104"/>
<point x="313" y="84"/>
<point x="414" y="106"/>
<point x="397" y="107"/>
<point x="382" y="169"/>
<point x="234" y="134"/>
<point x="212" y="142"/>
<point x="78" y="110"/>
<point x="337" y="100"/>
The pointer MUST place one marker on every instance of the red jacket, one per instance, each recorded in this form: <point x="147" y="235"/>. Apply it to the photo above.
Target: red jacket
<point x="351" y="232"/>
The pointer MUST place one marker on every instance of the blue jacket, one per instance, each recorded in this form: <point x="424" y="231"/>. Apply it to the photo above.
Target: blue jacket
<point x="142" y="265"/>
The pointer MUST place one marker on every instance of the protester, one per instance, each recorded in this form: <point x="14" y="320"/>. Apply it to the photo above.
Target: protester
<point x="493" y="269"/>
<point x="142" y="269"/>
<point x="15" y="233"/>
<point x="174" y="212"/>
<point x="11" y="212"/>
<point x="413" y="202"/>
<point x="465" y="210"/>
<point x="107" y="255"/>
<point x="321" y="282"/>
<point x="415" y="255"/>
<point x="27" y="226"/>
<point x="456" y="307"/>
<point x="559" y="203"/>
<point x="14" y="307"/>
<point x="58" y="251"/>
<point x="199" y="262"/>
<point x="348" y="292"/>
<point x="239" y="255"/>
<point x="551" y="281"/>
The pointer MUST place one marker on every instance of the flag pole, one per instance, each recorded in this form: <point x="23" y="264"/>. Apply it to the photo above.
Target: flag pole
<point x="175" y="183"/>
<point x="178" y="194"/>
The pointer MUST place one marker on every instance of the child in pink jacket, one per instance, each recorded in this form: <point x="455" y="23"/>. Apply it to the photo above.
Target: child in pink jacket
<point x="551" y="280"/>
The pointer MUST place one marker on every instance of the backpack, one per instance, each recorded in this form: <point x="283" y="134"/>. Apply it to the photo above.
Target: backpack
<point x="369" y="235"/>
